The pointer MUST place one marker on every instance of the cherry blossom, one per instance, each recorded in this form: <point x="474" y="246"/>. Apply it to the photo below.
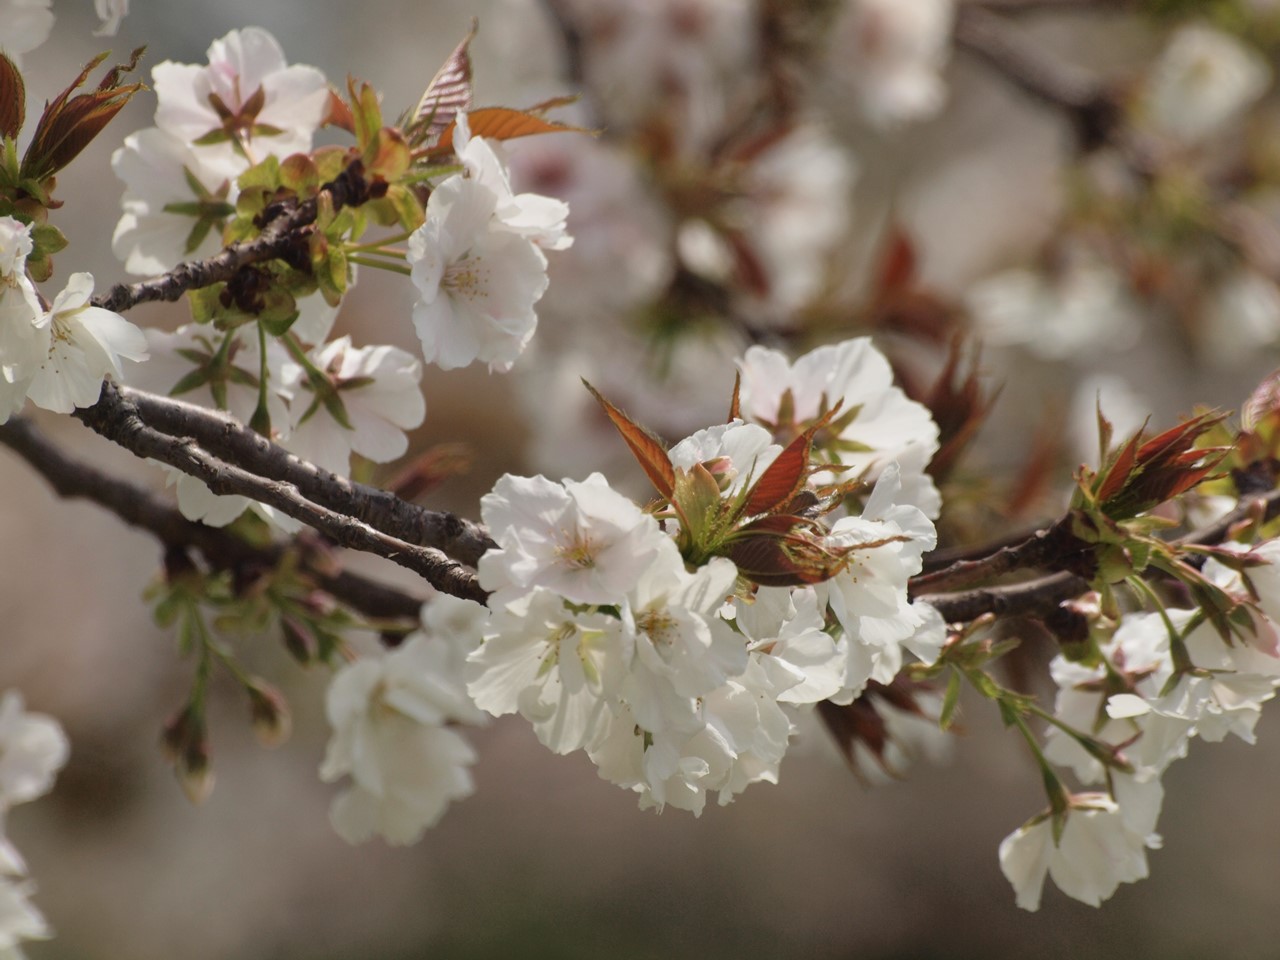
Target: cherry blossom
<point x="22" y="337"/>
<point x="378" y="389"/>
<point x="879" y="424"/>
<point x="33" y="749"/>
<point x="869" y="596"/>
<point x="24" y="25"/>
<point x="477" y="281"/>
<point x="580" y="539"/>
<point x="1204" y="80"/>
<point x="1096" y="852"/>
<point x="84" y="345"/>
<point x="389" y="713"/>
<point x="269" y="107"/>
<point x="555" y="666"/>
<point x="893" y="52"/>
<point x="173" y="204"/>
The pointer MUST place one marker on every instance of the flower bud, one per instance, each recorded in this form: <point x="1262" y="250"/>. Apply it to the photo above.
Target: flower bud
<point x="272" y="722"/>
<point x="299" y="640"/>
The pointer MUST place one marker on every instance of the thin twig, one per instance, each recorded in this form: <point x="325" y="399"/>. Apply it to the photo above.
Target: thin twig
<point x="138" y="507"/>
<point x="282" y="230"/>
<point x="1090" y="105"/>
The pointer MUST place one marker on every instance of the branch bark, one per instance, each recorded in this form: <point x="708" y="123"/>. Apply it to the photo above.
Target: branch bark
<point x="283" y="230"/>
<point x="75" y="479"/>
<point x="1087" y="102"/>
<point x="228" y="439"/>
<point x="120" y="422"/>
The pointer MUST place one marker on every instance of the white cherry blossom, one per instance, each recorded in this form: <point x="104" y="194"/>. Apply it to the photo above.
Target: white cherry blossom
<point x="580" y="539"/>
<point x="879" y="424"/>
<point x="869" y="596"/>
<point x="110" y="12"/>
<point x="556" y="667"/>
<point x="787" y="625"/>
<point x="477" y="282"/>
<point x="158" y="169"/>
<point x="241" y="64"/>
<point x="1083" y="309"/>
<point x="84" y="344"/>
<point x="19" y="918"/>
<point x="1095" y="854"/>
<point x="1204" y="80"/>
<point x="738" y="452"/>
<point x="893" y="52"/>
<point x="380" y="394"/>
<point x="530" y="215"/>
<point x="33" y="749"/>
<point x="388" y="713"/>
<point x="24" y="25"/>
<point x="682" y="649"/>
<point x="23" y="338"/>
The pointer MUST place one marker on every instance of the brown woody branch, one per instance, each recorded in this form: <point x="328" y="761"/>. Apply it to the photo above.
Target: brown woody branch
<point x="1089" y="103"/>
<point x="138" y="507"/>
<point x="226" y="438"/>
<point x="1033" y="598"/>
<point x="119" y="421"/>
<point x="283" y="237"/>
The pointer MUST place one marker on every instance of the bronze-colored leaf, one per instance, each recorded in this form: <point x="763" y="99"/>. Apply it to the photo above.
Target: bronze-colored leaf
<point x="69" y="123"/>
<point x="647" y="449"/>
<point x="13" y="98"/>
<point x="502" y="123"/>
<point x="447" y="95"/>
<point x="786" y="475"/>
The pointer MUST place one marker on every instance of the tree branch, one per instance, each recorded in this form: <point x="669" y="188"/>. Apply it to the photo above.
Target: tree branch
<point x="121" y="423"/>
<point x="75" y="479"/>
<point x="1089" y="104"/>
<point x="1034" y="597"/>
<point x="225" y="437"/>
<point x="282" y="232"/>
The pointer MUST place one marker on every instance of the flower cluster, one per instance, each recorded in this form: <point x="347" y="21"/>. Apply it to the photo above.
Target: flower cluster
<point x="1162" y="679"/>
<point x="213" y="123"/>
<point x="676" y="647"/>
<point x="32" y="750"/>
<point x="390" y="712"/>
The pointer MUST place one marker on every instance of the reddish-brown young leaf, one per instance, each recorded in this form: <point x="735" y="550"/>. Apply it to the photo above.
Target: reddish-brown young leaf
<point x="785" y="476"/>
<point x="777" y="551"/>
<point x="735" y="403"/>
<point x="647" y="449"/>
<point x="958" y="406"/>
<point x="338" y="113"/>
<point x="898" y="264"/>
<point x="13" y="98"/>
<point x="1121" y="467"/>
<point x="69" y="123"/>
<point x="431" y="468"/>
<point x="502" y="123"/>
<point x="447" y="95"/>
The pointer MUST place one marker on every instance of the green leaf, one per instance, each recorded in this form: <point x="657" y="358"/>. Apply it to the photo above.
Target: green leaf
<point x="950" y="700"/>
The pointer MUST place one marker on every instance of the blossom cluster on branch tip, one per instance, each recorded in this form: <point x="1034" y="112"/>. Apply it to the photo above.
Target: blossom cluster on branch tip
<point x="476" y="257"/>
<point x="33" y="749"/>
<point x="1162" y="679"/>
<point x="676" y="649"/>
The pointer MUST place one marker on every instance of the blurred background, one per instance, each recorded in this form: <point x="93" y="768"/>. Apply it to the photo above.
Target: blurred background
<point x="785" y="173"/>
